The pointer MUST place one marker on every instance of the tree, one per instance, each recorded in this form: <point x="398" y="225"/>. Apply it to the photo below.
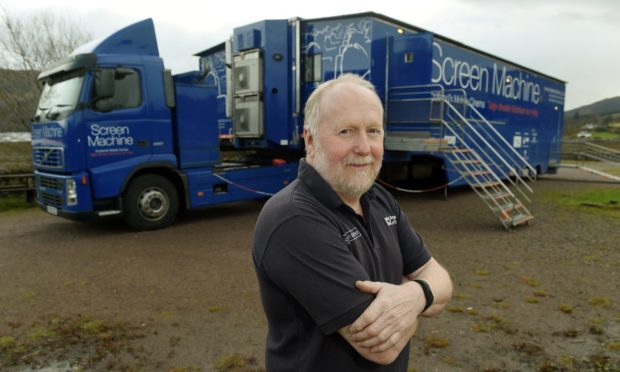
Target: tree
<point x="29" y="44"/>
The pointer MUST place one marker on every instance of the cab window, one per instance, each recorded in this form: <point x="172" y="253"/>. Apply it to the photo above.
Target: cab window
<point x="124" y="94"/>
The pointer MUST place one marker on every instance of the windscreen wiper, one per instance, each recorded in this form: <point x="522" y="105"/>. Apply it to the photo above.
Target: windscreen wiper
<point x="53" y="114"/>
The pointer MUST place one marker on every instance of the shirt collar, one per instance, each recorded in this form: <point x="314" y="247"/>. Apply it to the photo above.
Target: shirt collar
<point x="320" y="189"/>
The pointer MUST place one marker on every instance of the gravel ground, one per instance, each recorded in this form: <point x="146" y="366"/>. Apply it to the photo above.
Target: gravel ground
<point x="98" y="296"/>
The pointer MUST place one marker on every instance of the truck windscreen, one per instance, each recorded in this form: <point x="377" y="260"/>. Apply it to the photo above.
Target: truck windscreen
<point x="59" y="97"/>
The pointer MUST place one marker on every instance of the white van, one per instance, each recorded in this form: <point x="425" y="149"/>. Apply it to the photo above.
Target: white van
<point x="584" y="134"/>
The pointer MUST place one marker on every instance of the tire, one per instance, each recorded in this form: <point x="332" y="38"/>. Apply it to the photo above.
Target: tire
<point x="150" y="202"/>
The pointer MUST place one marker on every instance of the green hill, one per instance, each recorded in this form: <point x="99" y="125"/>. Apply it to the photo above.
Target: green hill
<point x="603" y="107"/>
<point x="604" y="115"/>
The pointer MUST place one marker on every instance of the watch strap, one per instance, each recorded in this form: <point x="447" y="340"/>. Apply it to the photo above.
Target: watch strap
<point x="428" y="294"/>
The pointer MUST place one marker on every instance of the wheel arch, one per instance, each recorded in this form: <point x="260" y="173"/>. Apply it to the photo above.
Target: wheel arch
<point x="179" y="180"/>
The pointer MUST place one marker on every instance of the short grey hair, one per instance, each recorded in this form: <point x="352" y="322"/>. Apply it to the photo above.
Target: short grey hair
<point x="311" y="111"/>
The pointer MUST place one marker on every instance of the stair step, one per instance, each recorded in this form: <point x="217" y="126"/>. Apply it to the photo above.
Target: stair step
<point x="462" y="150"/>
<point x="508" y="207"/>
<point x="488" y="184"/>
<point x="479" y="173"/>
<point x="519" y="219"/>
<point x="469" y="161"/>
<point x="499" y="195"/>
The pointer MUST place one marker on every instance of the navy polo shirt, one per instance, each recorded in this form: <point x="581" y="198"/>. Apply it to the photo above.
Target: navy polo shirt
<point x="309" y="250"/>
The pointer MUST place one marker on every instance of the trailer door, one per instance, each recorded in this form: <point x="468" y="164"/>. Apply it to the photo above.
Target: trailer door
<point x="410" y="60"/>
<point x="409" y="106"/>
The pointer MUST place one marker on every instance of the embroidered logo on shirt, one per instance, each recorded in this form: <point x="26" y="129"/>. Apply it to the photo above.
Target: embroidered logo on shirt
<point x="351" y="235"/>
<point x="390" y="220"/>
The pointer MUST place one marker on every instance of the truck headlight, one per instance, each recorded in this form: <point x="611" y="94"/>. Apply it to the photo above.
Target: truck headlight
<point x="72" y="197"/>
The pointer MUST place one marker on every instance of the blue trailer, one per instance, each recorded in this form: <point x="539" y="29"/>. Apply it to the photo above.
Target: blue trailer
<point x="116" y="134"/>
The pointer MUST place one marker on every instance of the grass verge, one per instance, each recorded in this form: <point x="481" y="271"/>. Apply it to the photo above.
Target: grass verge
<point x="12" y="202"/>
<point x="84" y="342"/>
<point x="604" y="202"/>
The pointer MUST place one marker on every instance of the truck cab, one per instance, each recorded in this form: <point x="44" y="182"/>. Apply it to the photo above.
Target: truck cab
<point x="99" y="115"/>
<point x="116" y="134"/>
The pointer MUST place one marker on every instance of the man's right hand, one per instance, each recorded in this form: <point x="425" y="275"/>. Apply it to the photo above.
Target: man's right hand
<point x="386" y="326"/>
<point x="384" y="357"/>
<point x="390" y="317"/>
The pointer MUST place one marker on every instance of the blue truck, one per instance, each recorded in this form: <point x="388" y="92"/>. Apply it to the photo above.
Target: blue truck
<point x="115" y="133"/>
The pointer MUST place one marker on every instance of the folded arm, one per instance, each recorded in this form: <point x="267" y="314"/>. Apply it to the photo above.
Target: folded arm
<point x="384" y="355"/>
<point x="385" y="327"/>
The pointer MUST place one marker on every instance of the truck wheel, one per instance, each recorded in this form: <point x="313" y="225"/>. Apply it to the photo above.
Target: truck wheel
<point x="150" y="202"/>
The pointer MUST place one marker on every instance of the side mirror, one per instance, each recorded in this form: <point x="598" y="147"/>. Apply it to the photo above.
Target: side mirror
<point x="104" y="86"/>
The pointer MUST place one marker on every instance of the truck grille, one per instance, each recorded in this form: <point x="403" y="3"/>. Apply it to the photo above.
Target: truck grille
<point x="50" y="190"/>
<point x="51" y="157"/>
<point x="51" y="199"/>
<point x="50" y="183"/>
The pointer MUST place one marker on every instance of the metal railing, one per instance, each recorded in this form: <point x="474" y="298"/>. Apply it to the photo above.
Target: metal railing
<point x="474" y="147"/>
<point x="18" y="183"/>
<point x="587" y="150"/>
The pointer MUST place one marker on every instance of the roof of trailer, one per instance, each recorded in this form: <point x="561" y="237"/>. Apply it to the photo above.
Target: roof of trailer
<point x="215" y="48"/>
<point x="418" y="29"/>
<point x="405" y="25"/>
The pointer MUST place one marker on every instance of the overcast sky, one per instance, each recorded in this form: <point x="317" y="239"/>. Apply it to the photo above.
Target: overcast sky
<point x="573" y="40"/>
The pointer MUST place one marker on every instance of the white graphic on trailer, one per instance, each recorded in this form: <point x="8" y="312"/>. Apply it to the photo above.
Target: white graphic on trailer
<point x="214" y="64"/>
<point x="214" y="70"/>
<point x="336" y="41"/>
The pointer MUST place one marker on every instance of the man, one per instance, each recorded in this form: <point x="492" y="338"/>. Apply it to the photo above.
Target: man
<point x="343" y="276"/>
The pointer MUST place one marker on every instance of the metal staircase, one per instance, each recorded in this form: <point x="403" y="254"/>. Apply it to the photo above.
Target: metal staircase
<point x="486" y="161"/>
<point x="489" y="187"/>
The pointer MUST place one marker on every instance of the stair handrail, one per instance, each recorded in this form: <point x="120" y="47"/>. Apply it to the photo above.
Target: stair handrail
<point x="508" y="145"/>
<point x="508" y="166"/>
<point x="498" y="135"/>
<point x="415" y="86"/>
<point x="485" y="176"/>
<point x="482" y="190"/>
<point x="471" y="139"/>
<point x="491" y="137"/>
<point x="483" y="164"/>
<point x="489" y="160"/>
<point x="438" y="91"/>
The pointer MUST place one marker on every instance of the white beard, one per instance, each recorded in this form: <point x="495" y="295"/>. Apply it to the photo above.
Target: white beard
<point x="353" y="186"/>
